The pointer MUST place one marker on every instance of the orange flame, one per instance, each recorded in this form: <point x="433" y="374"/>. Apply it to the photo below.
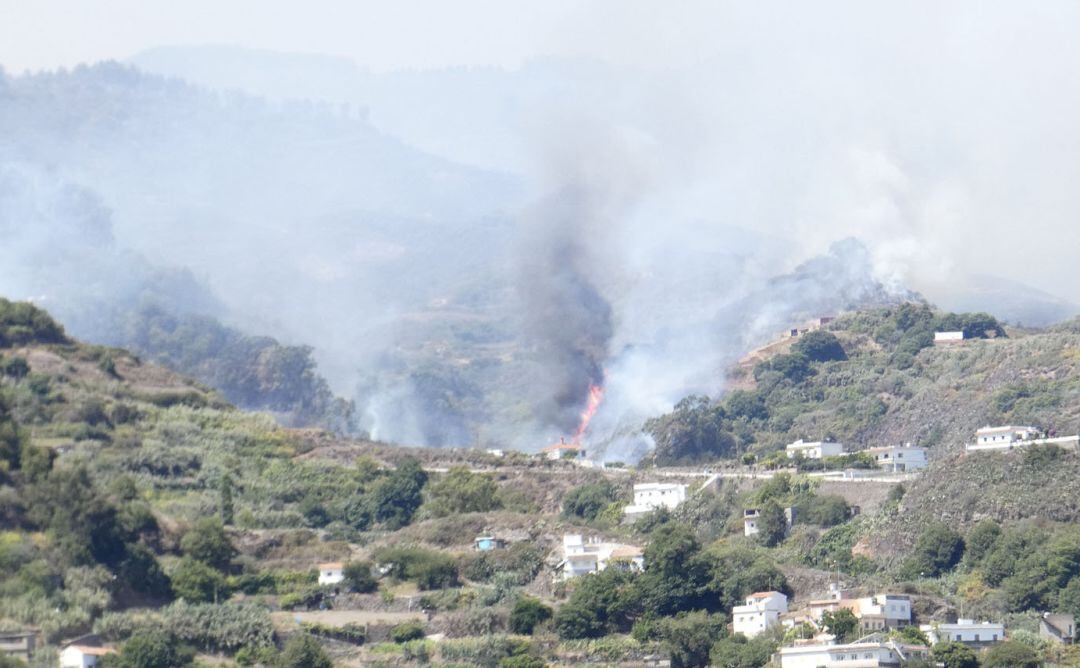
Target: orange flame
<point x="596" y="395"/>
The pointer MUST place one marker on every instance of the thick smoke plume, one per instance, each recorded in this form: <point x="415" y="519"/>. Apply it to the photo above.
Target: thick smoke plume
<point x="567" y="321"/>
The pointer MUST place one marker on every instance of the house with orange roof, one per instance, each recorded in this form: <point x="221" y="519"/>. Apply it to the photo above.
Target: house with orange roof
<point x="563" y="450"/>
<point x="331" y="573"/>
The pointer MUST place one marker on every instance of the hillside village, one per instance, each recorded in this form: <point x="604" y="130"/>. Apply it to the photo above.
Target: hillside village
<point x="794" y="522"/>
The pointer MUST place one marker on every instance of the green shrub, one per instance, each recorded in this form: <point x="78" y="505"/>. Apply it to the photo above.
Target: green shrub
<point x="587" y="501"/>
<point x="403" y="633"/>
<point x="303" y="651"/>
<point x="527" y="613"/>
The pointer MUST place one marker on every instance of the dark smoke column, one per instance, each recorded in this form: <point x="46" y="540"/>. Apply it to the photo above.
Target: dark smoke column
<point x="568" y="323"/>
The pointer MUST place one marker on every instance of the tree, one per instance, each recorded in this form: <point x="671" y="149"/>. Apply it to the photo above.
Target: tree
<point x="303" y="651"/>
<point x="693" y="431"/>
<point x="676" y="573"/>
<point x="576" y="620"/>
<point x="913" y="636"/>
<point x="952" y="654"/>
<point x="1010" y="654"/>
<point x="981" y="540"/>
<point x="527" y="614"/>
<point x="395" y="498"/>
<point x="689" y="637"/>
<point x="461" y="491"/>
<point x="795" y="367"/>
<point x="152" y="649"/>
<point x="196" y="582"/>
<point x="358" y="577"/>
<point x="819" y="346"/>
<point x="226" y="509"/>
<point x="208" y="543"/>
<point x="772" y="524"/>
<point x="842" y="623"/>
<point x="738" y="652"/>
<point x="937" y="550"/>
<point x="587" y="501"/>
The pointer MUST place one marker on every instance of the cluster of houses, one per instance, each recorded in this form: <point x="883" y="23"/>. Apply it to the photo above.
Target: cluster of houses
<point x="889" y="458"/>
<point x="877" y="615"/>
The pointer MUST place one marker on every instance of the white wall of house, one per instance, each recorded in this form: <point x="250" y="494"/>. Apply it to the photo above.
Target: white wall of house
<point x="652" y="496"/>
<point x="77" y="657"/>
<point x="897" y="459"/>
<point x="760" y="611"/>
<point x="967" y="631"/>
<point x="853" y="655"/>
<point x="581" y="556"/>
<point x="331" y="574"/>
<point x="813" y="450"/>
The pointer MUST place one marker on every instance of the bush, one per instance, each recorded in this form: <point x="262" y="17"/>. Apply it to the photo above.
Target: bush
<point x="586" y="501"/>
<point x="1010" y="655"/>
<point x="403" y="633"/>
<point x="819" y="346"/>
<point x="527" y="614"/>
<point x="152" y="649"/>
<point x="952" y="654"/>
<point x="937" y="550"/>
<point x="358" y="577"/>
<point x="461" y="491"/>
<point x="208" y="543"/>
<point x="303" y="651"/>
<point x="689" y="637"/>
<point x="196" y="582"/>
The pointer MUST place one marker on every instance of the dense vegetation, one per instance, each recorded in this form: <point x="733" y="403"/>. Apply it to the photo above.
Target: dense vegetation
<point x="858" y="382"/>
<point x="138" y="505"/>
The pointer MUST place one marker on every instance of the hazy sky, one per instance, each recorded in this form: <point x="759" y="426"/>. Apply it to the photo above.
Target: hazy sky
<point x="380" y="35"/>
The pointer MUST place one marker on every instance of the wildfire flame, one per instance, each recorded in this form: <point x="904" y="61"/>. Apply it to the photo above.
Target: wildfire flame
<point x="596" y="395"/>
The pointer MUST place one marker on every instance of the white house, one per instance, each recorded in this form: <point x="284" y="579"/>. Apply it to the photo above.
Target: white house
<point x="563" y="450"/>
<point x="875" y="613"/>
<point x="761" y="610"/>
<point x="898" y="459"/>
<point x="814" y="450"/>
<point x="967" y="631"/>
<point x="82" y="656"/>
<point x="948" y="337"/>
<point x="883" y="611"/>
<point x="873" y="651"/>
<point x="651" y="496"/>
<point x="752" y="519"/>
<point x="331" y="573"/>
<point x="1009" y="437"/>
<point x="581" y="556"/>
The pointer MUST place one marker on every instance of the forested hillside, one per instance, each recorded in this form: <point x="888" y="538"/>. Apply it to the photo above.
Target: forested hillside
<point x="139" y="505"/>
<point x="875" y="378"/>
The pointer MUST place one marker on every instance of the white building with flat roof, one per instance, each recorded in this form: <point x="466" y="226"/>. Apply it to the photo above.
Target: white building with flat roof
<point x="898" y="458"/>
<point x="650" y="496"/>
<point x="760" y="611"/>
<point x="582" y="556"/>
<point x="948" y="337"/>
<point x="1009" y="437"/>
<point x="813" y="450"/>
<point x="967" y="631"/>
<point x="874" y="651"/>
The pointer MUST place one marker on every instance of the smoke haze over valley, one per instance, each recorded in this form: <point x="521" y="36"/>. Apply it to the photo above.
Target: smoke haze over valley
<point x="452" y="251"/>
